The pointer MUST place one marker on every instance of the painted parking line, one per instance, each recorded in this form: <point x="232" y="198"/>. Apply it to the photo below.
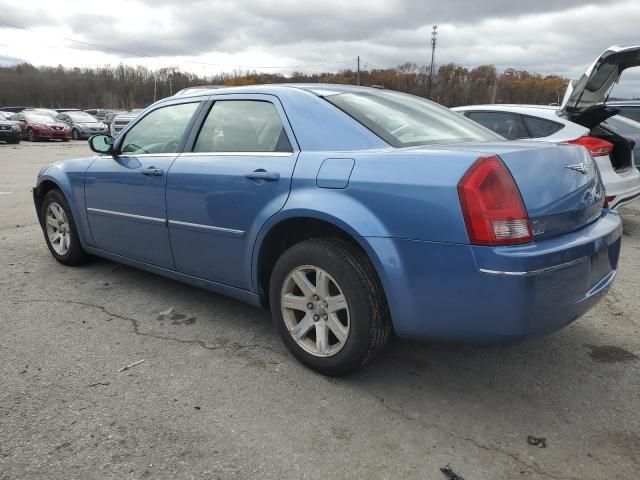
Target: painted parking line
<point x="6" y="193"/>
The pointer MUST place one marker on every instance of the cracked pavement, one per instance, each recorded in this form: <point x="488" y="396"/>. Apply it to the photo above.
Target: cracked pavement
<point x="219" y="397"/>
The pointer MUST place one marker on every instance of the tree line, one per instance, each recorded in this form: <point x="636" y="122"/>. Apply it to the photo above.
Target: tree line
<point x="126" y="87"/>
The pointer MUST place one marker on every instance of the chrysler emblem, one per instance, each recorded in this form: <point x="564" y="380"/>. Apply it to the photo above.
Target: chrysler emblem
<point x="582" y="167"/>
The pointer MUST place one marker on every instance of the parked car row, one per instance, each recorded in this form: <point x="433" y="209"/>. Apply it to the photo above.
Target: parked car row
<point x="63" y="124"/>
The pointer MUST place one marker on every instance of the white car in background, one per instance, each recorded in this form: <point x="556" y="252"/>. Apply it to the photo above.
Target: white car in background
<point x="122" y="120"/>
<point x="579" y="120"/>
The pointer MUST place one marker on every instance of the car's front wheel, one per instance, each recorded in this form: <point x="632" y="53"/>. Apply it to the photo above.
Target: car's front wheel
<point x="31" y="136"/>
<point x="76" y="134"/>
<point x="329" y="305"/>
<point x="60" y="230"/>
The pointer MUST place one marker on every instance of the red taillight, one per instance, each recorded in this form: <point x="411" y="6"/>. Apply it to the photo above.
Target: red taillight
<point x="492" y="206"/>
<point x="596" y="146"/>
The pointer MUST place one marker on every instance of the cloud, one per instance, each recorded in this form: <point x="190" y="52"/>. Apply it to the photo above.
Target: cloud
<point x="545" y="36"/>
<point x="6" y="61"/>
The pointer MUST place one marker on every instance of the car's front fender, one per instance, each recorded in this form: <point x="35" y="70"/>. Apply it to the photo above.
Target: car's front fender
<point x="71" y="182"/>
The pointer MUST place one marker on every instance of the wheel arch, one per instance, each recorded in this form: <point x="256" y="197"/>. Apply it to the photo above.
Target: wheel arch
<point x="44" y="187"/>
<point x="73" y="191"/>
<point x="286" y="230"/>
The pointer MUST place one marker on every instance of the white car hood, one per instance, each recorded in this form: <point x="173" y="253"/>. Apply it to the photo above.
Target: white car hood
<point x="595" y="84"/>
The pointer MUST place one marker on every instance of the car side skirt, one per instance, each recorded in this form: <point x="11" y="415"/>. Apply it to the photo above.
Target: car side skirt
<point x="237" y="293"/>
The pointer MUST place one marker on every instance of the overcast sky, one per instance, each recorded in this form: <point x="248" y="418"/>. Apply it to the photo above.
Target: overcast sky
<point x="543" y="36"/>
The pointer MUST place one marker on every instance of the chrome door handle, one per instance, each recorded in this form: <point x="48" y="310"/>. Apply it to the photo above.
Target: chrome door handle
<point x="262" y="174"/>
<point x="153" y="172"/>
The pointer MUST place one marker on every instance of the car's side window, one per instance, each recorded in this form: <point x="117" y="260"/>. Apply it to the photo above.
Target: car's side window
<point x="509" y="125"/>
<point x="539" y="127"/>
<point x="161" y="131"/>
<point x="242" y="126"/>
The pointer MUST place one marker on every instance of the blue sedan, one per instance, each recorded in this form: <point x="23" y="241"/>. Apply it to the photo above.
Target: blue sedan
<point x="351" y="213"/>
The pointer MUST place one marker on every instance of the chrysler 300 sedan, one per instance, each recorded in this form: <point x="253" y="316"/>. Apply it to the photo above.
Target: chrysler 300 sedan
<point x="351" y="213"/>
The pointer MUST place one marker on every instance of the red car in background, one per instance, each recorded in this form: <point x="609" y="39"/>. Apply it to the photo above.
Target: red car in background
<point x="35" y="127"/>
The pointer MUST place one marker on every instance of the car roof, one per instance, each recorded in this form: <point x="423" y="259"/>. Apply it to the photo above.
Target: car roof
<point x="624" y="103"/>
<point x="544" y="111"/>
<point x="273" y="88"/>
<point x="500" y="106"/>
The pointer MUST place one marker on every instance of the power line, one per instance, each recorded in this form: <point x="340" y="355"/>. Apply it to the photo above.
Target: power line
<point x="146" y="55"/>
<point x="369" y="64"/>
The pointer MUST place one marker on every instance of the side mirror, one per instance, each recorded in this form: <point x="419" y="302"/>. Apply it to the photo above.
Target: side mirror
<point x="101" y="144"/>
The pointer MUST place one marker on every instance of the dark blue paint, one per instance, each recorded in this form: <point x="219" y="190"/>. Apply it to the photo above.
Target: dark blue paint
<point x="400" y="205"/>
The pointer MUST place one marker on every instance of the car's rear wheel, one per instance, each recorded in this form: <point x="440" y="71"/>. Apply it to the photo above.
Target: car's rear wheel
<point x="31" y="135"/>
<point x="76" y="134"/>
<point x="329" y="305"/>
<point x="60" y="230"/>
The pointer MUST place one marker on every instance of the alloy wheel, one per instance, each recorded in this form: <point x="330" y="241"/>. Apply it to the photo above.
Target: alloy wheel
<point x="315" y="311"/>
<point x="58" y="228"/>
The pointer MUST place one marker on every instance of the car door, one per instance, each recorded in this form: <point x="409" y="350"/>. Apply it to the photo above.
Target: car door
<point x="125" y="193"/>
<point x="237" y="175"/>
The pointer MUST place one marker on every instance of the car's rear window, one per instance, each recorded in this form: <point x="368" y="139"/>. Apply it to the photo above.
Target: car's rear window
<point x="405" y="120"/>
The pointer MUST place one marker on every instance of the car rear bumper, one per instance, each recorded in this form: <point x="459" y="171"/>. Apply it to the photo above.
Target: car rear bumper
<point x="621" y="187"/>
<point x="497" y="295"/>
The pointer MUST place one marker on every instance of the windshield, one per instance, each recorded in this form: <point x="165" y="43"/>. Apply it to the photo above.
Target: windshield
<point x="81" y="118"/>
<point x="405" y="120"/>
<point x="37" y="118"/>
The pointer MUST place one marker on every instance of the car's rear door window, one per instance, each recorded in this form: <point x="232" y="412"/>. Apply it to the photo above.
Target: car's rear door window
<point x="540" y="127"/>
<point x="161" y="131"/>
<point x="243" y="126"/>
<point x="508" y="125"/>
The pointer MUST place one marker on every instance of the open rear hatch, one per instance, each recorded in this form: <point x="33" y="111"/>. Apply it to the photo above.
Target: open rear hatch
<point x="560" y="187"/>
<point x="585" y="100"/>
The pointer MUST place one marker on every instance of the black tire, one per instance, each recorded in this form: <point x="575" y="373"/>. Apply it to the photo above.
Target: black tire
<point x="370" y="325"/>
<point x="76" y="135"/>
<point x="76" y="254"/>
<point x="30" y="135"/>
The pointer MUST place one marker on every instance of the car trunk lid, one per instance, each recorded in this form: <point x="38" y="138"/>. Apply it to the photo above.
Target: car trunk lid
<point x="560" y="184"/>
<point x="595" y="84"/>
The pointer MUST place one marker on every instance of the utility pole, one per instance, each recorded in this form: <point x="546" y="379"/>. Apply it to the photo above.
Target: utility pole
<point x="358" y="74"/>
<point x="434" y="40"/>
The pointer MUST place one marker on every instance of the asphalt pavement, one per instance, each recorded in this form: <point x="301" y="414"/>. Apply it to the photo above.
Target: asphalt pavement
<point x="219" y="397"/>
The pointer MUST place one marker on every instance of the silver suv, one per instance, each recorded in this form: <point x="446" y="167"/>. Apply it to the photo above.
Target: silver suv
<point x="122" y="120"/>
